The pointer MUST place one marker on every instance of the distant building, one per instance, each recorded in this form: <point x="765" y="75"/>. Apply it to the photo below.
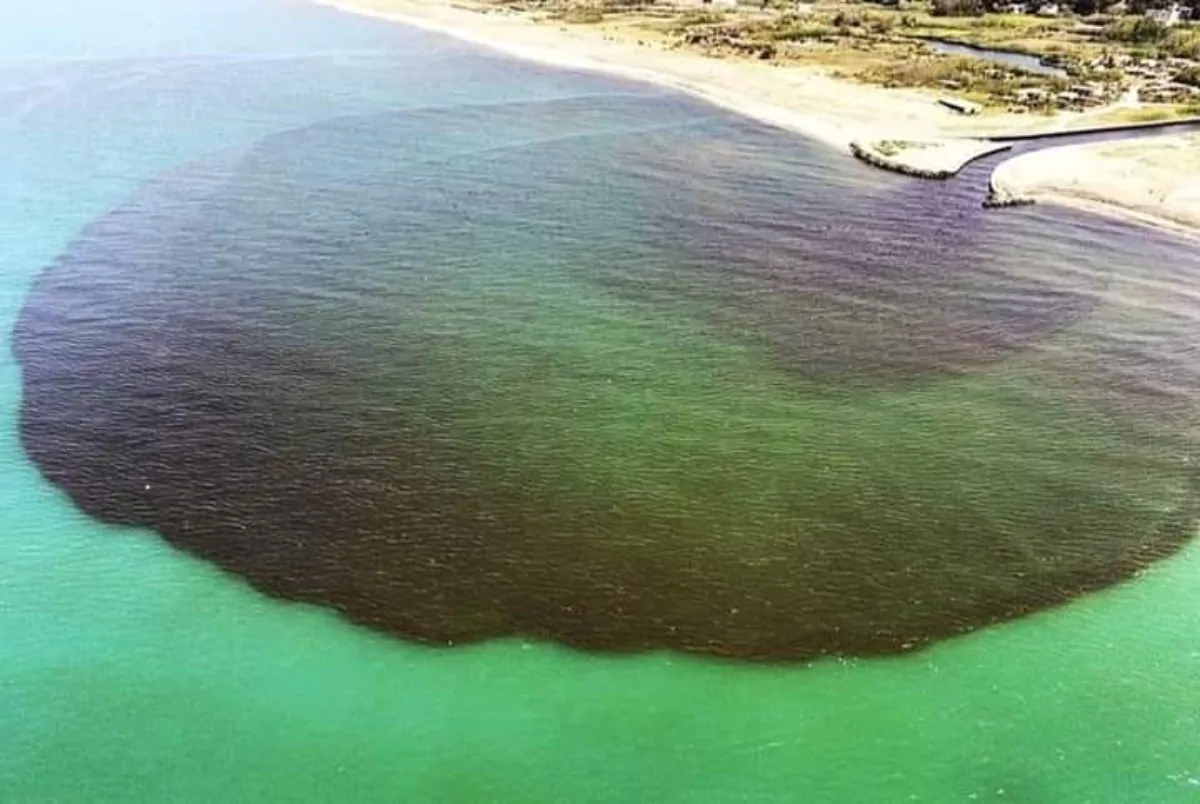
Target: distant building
<point x="1048" y="10"/>
<point x="1171" y="15"/>
<point x="1013" y="8"/>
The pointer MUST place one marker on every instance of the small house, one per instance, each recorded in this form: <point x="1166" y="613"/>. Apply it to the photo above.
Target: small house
<point x="1068" y="100"/>
<point x="1031" y="95"/>
<point x="1169" y="16"/>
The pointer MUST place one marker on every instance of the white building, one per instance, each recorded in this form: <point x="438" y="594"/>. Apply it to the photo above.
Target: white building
<point x="1171" y="15"/>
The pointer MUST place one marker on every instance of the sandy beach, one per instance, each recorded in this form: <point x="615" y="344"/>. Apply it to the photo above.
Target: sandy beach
<point x="797" y="98"/>
<point x="1142" y="181"/>
<point x="1155" y="180"/>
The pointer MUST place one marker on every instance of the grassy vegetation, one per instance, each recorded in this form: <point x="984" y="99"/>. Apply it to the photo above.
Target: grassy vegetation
<point x="846" y="23"/>
<point x="1184" y="43"/>
<point x="579" y="15"/>
<point x="693" y="19"/>
<point x="850" y="24"/>
<point x="969" y="77"/>
<point x="796" y="30"/>
<point x="889" y="45"/>
<point x="1180" y="42"/>
<point x="1149" y="114"/>
<point x="893" y="147"/>
<point x="1189" y="75"/>
<point x="1028" y="35"/>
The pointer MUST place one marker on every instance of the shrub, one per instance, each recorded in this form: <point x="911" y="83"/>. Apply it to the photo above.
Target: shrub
<point x="1148" y="115"/>
<point x="1184" y="43"/>
<point x="693" y="18"/>
<point x="796" y="31"/>
<point x="880" y="23"/>
<point x="1189" y="75"/>
<point x="995" y="21"/>
<point x="581" y="16"/>
<point x="958" y="8"/>
<point x="1138" y="31"/>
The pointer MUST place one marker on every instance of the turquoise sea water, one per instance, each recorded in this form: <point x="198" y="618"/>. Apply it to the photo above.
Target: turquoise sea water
<point x="132" y="672"/>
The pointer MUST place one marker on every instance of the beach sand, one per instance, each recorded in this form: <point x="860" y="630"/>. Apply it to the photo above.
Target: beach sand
<point x="1136" y="180"/>
<point x="798" y="98"/>
<point x="1155" y="180"/>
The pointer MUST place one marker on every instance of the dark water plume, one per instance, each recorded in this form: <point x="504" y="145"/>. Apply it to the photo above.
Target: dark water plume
<point x="616" y="374"/>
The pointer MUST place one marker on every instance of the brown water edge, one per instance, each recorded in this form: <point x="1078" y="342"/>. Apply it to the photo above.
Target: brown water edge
<point x="325" y="433"/>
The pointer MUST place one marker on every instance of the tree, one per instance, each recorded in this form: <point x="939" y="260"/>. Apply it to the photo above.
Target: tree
<point x="1142" y="6"/>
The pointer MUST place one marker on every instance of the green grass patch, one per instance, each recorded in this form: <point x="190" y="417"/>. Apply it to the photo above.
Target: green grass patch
<point x="580" y="15"/>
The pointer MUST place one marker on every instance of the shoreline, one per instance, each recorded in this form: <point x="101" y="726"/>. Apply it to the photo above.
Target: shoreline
<point x="792" y="98"/>
<point x="563" y="58"/>
<point x="1151" y="181"/>
<point x="1120" y="213"/>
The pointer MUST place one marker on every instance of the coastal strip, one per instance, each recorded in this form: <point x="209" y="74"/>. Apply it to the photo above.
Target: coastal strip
<point x="802" y="99"/>
<point x="927" y="159"/>
<point x="579" y="49"/>
<point x="1154" y="181"/>
<point x="903" y="130"/>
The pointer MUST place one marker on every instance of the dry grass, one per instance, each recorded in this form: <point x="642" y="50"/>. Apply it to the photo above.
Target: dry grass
<point x="882" y="45"/>
<point x="1148" y="114"/>
<point x="972" y="78"/>
<point x="581" y="15"/>
<point x="893" y="147"/>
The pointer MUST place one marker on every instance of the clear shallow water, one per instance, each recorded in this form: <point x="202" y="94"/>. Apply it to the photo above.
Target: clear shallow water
<point x="120" y="649"/>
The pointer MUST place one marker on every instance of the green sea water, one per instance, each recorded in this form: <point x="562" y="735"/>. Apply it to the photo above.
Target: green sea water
<point x="130" y="672"/>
